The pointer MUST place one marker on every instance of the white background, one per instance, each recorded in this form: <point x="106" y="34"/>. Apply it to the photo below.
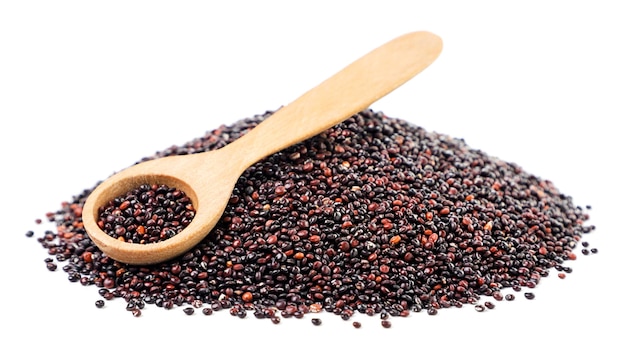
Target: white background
<point x="87" y="88"/>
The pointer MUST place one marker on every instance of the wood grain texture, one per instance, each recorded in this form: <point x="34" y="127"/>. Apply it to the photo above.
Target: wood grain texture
<point x="208" y="178"/>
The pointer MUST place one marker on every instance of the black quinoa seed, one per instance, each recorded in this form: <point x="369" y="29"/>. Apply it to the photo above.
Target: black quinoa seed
<point x="374" y="214"/>
<point x="316" y="321"/>
<point x="99" y="303"/>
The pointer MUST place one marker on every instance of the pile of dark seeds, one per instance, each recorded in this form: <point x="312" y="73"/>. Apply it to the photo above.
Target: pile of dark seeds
<point x="373" y="216"/>
<point x="148" y="214"/>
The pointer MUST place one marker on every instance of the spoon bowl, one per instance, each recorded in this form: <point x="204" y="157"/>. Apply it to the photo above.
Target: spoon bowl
<point x="188" y="173"/>
<point x="208" y="178"/>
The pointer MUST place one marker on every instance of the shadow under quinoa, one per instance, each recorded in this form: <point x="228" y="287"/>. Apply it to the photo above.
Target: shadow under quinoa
<point x="373" y="216"/>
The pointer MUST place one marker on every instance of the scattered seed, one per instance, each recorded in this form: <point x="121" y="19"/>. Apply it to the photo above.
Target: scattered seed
<point x="247" y="296"/>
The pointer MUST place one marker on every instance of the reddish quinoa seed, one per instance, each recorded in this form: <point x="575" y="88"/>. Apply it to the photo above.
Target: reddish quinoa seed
<point x="373" y="216"/>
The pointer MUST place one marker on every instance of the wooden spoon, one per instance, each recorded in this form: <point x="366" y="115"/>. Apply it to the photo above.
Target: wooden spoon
<point x="208" y="178"/>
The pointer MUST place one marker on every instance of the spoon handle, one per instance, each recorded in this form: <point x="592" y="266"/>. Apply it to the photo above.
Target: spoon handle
<point x="348" y="92"/>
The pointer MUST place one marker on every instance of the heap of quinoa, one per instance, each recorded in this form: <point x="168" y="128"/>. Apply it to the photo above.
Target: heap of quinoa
<point x="373" y="216"/>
